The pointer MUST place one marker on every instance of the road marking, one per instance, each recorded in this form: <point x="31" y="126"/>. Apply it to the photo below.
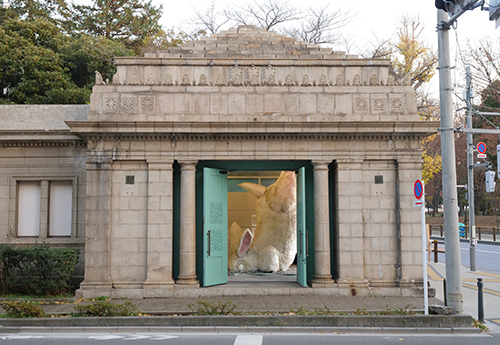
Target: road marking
<point x="138" y="337"/>
<point x="248" y="340"/>
<point x="489" y="291"/>
<point x="433" y="274"/>
<point x="484" y="280"/>
<point x="496" y="321"/>
<point x="489" y="274"/>
<point x="482" y="251"/>
<point x="106" y="337"/>
<point x="164" y="337"/>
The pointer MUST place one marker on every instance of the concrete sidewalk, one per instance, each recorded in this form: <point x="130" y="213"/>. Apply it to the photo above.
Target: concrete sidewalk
<point x="491" y="292"/>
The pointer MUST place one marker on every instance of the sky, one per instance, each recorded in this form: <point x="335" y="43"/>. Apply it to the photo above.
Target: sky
<point x="372" y="20"/>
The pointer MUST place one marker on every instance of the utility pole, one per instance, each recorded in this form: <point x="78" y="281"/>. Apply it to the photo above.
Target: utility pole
<point x="450" y="200"/>
<point x="470" y="173"/>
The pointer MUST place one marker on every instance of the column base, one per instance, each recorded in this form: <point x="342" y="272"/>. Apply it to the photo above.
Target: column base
<point x="164" y="284"/>
<point x="188" y="282"/>
<point x="321" y="281"/>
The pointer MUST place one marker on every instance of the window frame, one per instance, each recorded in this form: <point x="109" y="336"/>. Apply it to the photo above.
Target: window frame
<point x="44" y="208"/>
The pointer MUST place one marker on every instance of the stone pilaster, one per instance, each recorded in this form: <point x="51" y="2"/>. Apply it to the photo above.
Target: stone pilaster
<point x="159" y="227"/>
<point x="98" y="227"/>
<point x="187" y="260"/>
<point x="349" y="244"/>
<point x="322" y="253"/>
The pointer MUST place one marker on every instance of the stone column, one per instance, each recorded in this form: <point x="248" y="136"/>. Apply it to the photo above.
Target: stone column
<point x="187" y="260"/>
<point x="97" y="230"/>
<point x="322" y="255"/>
<point x="159" y="229"/>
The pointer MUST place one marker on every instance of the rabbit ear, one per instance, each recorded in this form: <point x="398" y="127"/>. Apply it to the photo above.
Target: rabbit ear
<point x="246" y="241"/>
<point x="253" y="188"/>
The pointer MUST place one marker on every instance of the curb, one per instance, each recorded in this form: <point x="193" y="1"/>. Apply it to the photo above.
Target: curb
<point x="266" y="321"/>
<point x="249" y="330"/>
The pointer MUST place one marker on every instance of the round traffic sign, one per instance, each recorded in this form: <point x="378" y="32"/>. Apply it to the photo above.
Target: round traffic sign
<point x="481" y="147"/>
<point x="418" y="189"/>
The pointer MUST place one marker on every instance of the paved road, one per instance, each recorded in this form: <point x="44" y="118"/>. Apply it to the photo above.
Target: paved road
<point x="487" y="256"/>
<point x="246" y="339"/>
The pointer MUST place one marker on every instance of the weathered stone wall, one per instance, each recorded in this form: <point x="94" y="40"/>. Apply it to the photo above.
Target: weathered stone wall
<point x="36" y="145"/>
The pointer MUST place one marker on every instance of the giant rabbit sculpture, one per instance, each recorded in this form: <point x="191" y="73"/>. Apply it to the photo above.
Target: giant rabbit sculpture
<point x="273" y="246"/>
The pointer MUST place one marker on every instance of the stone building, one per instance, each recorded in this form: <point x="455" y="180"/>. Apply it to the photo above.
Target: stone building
<point x="144" y="175"/>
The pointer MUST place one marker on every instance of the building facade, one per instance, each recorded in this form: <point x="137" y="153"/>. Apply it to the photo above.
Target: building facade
<point x="246" y="102"/>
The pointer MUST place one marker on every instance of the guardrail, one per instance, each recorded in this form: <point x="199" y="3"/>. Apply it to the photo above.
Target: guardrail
<point x="487" y="233"/>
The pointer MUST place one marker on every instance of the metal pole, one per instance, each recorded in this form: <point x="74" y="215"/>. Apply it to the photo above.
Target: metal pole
<point x="450" y="202"/>
<point x="480" y="301"/>
<point x="470" y="174"/>
<point x="424" y="245"/>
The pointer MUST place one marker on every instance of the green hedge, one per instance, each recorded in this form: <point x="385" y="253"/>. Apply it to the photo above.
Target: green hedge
<point x="37" y="270"/>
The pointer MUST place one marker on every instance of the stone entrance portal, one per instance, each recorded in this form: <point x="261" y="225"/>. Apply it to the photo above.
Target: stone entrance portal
<point x="248" y="95"/>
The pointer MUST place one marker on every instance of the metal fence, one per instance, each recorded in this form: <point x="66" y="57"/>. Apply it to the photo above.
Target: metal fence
<point x="485" y="233"/>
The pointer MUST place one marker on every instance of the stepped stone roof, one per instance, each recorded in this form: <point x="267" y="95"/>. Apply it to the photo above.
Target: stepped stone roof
<point x="247" y="41"/>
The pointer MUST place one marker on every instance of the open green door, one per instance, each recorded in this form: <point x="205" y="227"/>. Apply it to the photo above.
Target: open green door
<point x="301" y="228"/>
<point x="214" y="227"/>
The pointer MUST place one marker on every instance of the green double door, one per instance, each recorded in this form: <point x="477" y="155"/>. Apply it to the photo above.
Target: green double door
<point x="215" y="227"/>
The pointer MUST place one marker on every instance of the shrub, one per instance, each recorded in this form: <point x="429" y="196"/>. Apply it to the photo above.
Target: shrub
<point x="37" y="270"/>
<point x="105" y="308"/>
<point x="208" y="308"/>
<point x="23" y="309"/>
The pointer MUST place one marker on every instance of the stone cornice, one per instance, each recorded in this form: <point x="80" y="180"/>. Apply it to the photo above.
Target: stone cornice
<point x="252" y="130"/>
<point x="277" y="62"/>
<point x="39" y="138"/>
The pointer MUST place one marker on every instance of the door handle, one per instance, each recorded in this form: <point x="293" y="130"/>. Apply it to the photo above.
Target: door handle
<point x="300" y="243"/>
<point x="209" y="240"/>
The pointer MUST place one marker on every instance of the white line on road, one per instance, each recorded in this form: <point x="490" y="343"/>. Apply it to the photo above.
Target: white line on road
<point x="482" y="251"/>
<point x="248" y="340"/>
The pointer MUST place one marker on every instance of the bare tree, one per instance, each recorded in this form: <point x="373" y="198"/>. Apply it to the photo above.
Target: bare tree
<point x="266" y="15"/>
<point x="321" y="26"/>
<point x="313" y="25"/>
<point x="208" y="19"/>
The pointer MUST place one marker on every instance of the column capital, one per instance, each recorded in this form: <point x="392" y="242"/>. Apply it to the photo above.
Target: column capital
<point x="321" y="164"/>
<point x="188" y="164"/>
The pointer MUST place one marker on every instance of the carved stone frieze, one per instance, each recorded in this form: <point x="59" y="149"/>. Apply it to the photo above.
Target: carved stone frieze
<point x="361" y="103"/>
<point x="168" y="80"/>
<point x="128" y="103"/>
<point x="185" y="80"/>
<point x="305" y="80"/>
<point x="374" y="80"/>
<point x="151" y="79"/>
<point x="397" y="104"/>
<point x="134" y="79"/>
<point x="220" y="81"/>
<point x="235" y="76"/>
<point x="289" y="80"/>
<point x="110" y="103"/>
<point x="270" y="74"/>
<point x="147" y="103"/>
<point x="356" y="81"/>
<point x="116" y="79"/>
<point x="323" y="81"/>
<point x="340" y="80"/>
<point x="253" y="76"/>
<point x="379" y="104"/>
<point x="203" y="80"/>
